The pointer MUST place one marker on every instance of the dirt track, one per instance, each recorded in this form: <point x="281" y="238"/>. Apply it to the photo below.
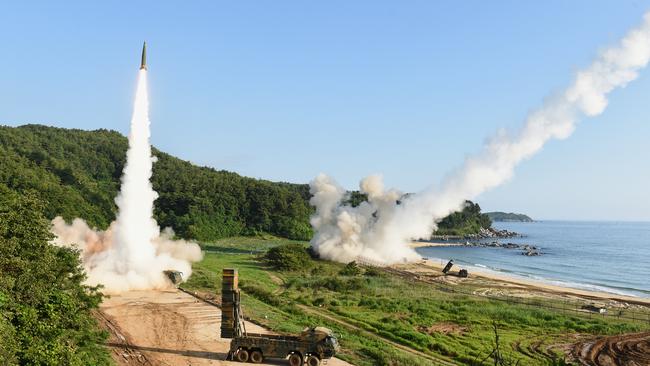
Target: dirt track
<point x="623" y="350"/>
<point x="168" y="328"/>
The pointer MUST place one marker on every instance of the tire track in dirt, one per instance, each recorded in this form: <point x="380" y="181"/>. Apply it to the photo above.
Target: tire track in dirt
<point x="620" y="350"/>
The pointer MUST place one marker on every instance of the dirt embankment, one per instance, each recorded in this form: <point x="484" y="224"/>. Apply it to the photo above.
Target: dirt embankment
<point x="622" y="350"/>
<point x="168" y="328"/>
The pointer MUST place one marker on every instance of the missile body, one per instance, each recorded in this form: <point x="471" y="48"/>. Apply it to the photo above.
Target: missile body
<point x="143" y="62"/>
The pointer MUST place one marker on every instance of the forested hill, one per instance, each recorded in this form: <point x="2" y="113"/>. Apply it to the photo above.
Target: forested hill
<point x="508" y="217"/>
<point x="77" y="173"/>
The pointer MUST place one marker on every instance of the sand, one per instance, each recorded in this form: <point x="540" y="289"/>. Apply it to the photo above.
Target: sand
<point x="169" y="328"/>
<point x="426" y="244"/>
<point x="434" y="266"/>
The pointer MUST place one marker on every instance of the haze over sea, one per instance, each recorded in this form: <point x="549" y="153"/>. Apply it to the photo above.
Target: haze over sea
<point x="601" y="256"/>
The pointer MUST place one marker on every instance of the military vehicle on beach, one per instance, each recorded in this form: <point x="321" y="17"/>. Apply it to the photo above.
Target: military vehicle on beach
<point x="312" y="346"/>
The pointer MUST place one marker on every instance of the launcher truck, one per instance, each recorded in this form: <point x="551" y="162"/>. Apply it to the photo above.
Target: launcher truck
<point x="312" y="347"/>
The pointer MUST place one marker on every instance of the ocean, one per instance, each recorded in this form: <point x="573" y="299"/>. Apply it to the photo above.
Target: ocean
<point x="600" y="256"/>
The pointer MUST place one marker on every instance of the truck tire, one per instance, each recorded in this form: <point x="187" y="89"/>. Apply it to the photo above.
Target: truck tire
<point x="242" y="355"/>
<point x="256" y="356"/>
<point x="313" y="360"/>
<point x="295" y="359"/>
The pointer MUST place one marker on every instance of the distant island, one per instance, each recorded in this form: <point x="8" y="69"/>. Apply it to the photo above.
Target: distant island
<point x="508" y="217"/>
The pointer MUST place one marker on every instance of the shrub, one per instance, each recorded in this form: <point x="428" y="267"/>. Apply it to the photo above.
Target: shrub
<point x="372" y="272"/>
<point x="351" y="269"/>
<point x="288" y="257"/>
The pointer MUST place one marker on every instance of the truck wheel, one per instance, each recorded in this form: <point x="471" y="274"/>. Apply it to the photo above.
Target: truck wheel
<point x="313" y="361"/>
<point x="242" y="355"/>
<point x="295" y="360"/>
<point x="256" y="357"/>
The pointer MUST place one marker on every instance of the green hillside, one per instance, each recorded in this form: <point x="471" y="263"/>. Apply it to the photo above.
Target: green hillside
<point x="508" y="217"/>
<point x="466" y="222"/>
<point x="77" y="174"/>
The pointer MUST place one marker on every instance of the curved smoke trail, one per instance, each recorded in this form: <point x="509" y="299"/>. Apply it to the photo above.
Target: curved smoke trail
<point x="381" y="229"/>
<point x="132" y="254"/>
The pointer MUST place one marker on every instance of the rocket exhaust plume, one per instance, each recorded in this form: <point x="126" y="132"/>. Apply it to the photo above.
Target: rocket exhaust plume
<point x="380" y="229"/>
<point x="132" y="253"/>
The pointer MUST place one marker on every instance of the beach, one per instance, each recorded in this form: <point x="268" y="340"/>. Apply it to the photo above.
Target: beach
<point x="427" y="244"/>
<point x="591" y="256"/>
<point x="493" y="284"/>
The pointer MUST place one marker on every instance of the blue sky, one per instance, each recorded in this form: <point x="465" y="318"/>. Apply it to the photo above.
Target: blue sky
<point x="284" y="90"/>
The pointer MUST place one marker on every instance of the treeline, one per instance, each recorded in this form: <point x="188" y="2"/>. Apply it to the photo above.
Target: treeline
<point x="466" y="222"/>
<point x="45" y="311"/>
<point x="508" y="217"/>
<point x="77" y="173"/>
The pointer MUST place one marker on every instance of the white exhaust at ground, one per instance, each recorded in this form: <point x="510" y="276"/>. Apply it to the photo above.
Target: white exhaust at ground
<point x="380" y="230"/>
<point x="132" y="253"/>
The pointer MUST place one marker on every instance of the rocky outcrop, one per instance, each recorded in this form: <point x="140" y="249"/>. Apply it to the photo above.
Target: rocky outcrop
<point x="494" y="233"/>
<point x="530" y="251"/>
<point x="526" y="249"/>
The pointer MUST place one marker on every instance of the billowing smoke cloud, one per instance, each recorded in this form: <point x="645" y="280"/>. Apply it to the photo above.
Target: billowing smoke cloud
<point x="381" y="229"/>
<point x="132" y="253"/>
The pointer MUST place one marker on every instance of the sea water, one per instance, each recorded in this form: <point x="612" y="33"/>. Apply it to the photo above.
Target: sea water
<point x="601" y="256"/>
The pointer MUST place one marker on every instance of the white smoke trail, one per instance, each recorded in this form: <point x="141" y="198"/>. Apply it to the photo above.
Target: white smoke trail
<point x="381" y="229"/>
<point x="132" y="254"/>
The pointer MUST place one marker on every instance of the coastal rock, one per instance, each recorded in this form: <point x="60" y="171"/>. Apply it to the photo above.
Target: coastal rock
<point x="494" y="233"/>
<point x="531" y="251"/>
<point x="527" y="249"/>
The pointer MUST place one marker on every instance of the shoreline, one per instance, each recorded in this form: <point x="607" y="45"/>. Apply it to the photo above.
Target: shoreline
<point x="530" y="285"/>
<point x="427" y="244"/>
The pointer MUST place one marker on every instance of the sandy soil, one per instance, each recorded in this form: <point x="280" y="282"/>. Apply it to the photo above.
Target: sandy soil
<point x="620" y="350"/>
<point x="515" y="286"/>
<point x="426" y="244"/>
<point x="168" y="328"/>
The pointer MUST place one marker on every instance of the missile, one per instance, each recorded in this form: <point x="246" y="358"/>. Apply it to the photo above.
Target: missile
<point x="143" y="62"/>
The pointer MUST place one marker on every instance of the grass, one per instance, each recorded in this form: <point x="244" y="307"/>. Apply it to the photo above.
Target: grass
<point x="370" y="310"/>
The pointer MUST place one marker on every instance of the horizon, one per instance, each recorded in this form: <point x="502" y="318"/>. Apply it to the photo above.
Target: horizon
<point x="347" y="95"/>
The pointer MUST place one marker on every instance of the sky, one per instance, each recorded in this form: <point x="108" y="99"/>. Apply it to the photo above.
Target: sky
<point x="284" y="90"/>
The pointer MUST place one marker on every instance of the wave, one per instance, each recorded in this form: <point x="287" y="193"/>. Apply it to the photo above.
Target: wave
<point x="597" y="287"/>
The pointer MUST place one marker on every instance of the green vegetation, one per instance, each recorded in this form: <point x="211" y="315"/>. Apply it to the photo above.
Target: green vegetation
<point x="76" y="174"/>
<point x="466" y="222"/>
<point x="45" y="311"/>
<point x="508" y="217"/>
<point x="288" y="257"/>
<point x="385" y="319"/>
<point x="382" y="319"/>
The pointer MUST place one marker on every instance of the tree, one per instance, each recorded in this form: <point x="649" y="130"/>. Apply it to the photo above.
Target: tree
<point x="45" y="310"/>
<point x="77" y="174"/>
<point x="468" y="221"/>
<point x="288" y="257"/>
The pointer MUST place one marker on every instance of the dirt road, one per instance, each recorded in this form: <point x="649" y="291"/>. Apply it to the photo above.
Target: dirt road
<point x="169" y="328"/>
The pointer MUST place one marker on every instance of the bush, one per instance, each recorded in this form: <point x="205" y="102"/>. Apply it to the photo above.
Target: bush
<point x="372" y="272"/>
<point x="351" y="269"/>
<point x="288" y="257"/>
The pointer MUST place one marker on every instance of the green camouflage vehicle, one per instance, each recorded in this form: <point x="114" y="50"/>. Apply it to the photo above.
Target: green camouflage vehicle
<point x="310" y="347"/>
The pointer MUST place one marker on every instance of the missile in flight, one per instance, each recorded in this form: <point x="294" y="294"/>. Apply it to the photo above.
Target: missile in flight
<point x="143" y="62"/>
